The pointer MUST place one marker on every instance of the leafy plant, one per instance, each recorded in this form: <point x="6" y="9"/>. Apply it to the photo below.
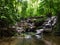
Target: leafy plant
<point x="8" y="12"/>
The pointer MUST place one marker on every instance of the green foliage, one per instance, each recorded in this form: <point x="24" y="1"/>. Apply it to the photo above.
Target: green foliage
<point x="8" y="11"/>
<point x="39" y="7"/>
<point x="24" y="7"/>
<point x="13" y="10"/>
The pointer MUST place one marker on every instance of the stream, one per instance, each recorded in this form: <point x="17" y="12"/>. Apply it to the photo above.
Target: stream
<point x="32" y="40"/>
<point x="37" y="39"/>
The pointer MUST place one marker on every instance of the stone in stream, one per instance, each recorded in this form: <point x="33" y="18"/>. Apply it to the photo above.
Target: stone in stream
<point x="38" y="36"/>
<point x="19" y="30"/>
<point x="47" y="27"/>
<point x="39" y="31"/>
<point x="27" y="36"/>
<point x="49" y="23"/>
<point x="54" y="18"/>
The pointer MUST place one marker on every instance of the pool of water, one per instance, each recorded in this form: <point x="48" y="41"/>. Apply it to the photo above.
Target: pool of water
<point x="46" y="40"/>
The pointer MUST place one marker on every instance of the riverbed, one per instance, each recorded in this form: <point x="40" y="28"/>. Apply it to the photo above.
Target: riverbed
<point x="33" y="40"/>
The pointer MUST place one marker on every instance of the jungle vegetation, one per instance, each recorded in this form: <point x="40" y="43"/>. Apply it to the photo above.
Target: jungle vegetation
<point x="11" y="11"/>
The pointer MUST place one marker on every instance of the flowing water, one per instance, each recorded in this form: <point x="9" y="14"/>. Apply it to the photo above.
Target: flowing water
<point x="34" y="40"/>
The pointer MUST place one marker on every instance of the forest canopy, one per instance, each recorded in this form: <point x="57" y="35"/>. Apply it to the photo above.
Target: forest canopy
<point x="12" y="10"/>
